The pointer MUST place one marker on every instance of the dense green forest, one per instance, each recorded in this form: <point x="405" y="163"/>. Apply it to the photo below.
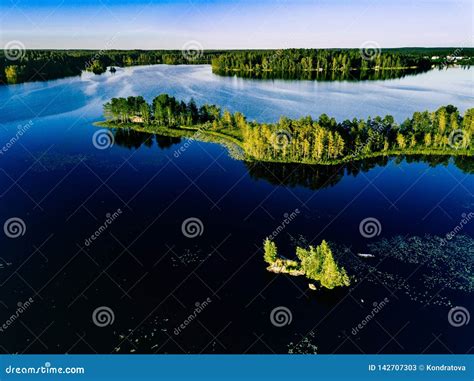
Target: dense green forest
<point x="321" y="64"/>
<point x="337" y="64"/>
<point x="304" y="140"/>
<point x="320" y="60"/>
<point x="40" y="65"/>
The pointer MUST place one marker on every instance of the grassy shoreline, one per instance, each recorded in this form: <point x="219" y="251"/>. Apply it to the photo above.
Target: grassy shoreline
<point x="231" y="143"/>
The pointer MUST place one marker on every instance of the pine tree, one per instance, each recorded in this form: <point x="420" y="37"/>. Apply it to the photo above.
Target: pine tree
<point x="331" y="275"/>
<point x="270" y="251"/>
<point x="318" y="264"/>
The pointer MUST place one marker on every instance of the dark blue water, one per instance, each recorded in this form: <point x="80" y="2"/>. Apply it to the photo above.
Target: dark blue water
<point x="151" y="275"/>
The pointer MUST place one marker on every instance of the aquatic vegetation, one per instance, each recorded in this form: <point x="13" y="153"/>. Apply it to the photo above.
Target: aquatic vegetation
<point x="426" y="269"/>
<point x="51" y="161"/>
<point x="305" y="346"/>
<point x="189" y="257"/>
<point x="147" y="338"/>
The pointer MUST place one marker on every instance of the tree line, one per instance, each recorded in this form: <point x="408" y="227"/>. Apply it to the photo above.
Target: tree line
<point x="164" y="111"/>
<point x="39" y="65"/>
<point x="307" y="140"/>
<point x="324" y="140"/>
<point x="319" y="60"/>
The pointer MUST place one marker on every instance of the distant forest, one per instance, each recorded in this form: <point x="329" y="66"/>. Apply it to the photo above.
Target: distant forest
<point x="321" y="64"/>
<point x="42" y="65"/>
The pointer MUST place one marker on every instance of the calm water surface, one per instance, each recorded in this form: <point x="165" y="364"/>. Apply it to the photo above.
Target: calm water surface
<point x="153" y="277"/>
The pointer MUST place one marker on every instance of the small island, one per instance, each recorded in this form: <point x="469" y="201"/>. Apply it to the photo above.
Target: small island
<point x="322" y="141"/>
<point x="316" y="263"/>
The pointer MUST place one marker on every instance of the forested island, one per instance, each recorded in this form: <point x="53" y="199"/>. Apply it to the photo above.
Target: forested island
<point x="298" y="63"/>
<point x="316" y="263"/>
<point x="42" y="65"/>
<point x="305" y="140"/>
<point x="321" y="64"/>
<point x="336" y="64"/>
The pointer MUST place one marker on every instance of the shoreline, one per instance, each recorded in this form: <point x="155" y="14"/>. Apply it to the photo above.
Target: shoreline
<point x="231" y="143"/>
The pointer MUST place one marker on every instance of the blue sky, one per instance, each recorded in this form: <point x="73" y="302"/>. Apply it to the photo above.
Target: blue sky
<point x="213" y="24"/>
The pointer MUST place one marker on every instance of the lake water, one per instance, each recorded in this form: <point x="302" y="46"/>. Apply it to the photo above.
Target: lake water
<point x="153" y="277"/>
